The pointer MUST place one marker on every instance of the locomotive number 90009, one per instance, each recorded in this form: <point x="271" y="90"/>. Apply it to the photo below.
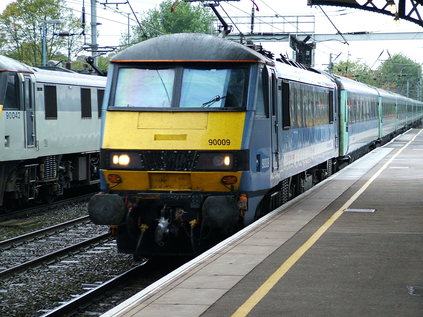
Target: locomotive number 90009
<point x="219" y="142"/>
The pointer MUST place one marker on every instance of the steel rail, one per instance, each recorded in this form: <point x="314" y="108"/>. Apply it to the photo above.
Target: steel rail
<point x="33" y="234"/>
<point x="52" y="255"/>
<point x="77" y="302"/>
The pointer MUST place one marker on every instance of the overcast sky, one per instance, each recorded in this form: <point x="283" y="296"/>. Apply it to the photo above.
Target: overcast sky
<point x="114" y="21"/>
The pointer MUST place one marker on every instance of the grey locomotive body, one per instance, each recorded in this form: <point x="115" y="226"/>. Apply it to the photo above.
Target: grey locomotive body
<point x="49" y="131"/>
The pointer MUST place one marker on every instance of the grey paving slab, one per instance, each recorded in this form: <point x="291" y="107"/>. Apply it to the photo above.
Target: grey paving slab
<point x="205" y="279"/>
<point x="177" y="310"/>
<point x="177" y="295"/>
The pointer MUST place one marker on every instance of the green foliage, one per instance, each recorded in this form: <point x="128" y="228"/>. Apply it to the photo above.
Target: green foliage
<point x="355" y="70"/>
<point x="21" y="26"/>
<point x="398" y="74"/>
<point x="80" y="64"/>
<point x="184" y="18"/>
<point x="401" y="75"/>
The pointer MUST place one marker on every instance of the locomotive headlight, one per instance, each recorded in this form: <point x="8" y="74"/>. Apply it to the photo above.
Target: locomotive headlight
<point x="124" y="159"/>
<point x="121" y="159"/>
<point x="227" y="160"/>
<point x="222" y="160"/>
<point x="215" y="161"/>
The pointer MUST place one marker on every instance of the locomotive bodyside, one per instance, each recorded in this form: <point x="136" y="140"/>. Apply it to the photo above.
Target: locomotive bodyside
<point x="50" y="127"/>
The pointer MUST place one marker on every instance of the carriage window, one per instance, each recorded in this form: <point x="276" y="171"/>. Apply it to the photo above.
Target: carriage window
<point x="85" y="103"/>
<point x="50" y="100"/>
<point x="100" y="97"/>
<point x="293" y="92"/>
<point x="286" y="115"/>
<point x="331" y="105"/>
<point x="11" y="101"/>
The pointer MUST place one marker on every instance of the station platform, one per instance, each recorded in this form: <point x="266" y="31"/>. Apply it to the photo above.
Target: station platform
<point x="350" y="246"/>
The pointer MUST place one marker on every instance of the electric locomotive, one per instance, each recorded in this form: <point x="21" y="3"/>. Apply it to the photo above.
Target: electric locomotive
<point x="201" y="136"/>
<point x="49" y="131"/>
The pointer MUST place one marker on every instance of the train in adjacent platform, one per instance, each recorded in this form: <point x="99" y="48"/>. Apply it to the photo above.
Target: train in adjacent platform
<point x="201" y="136"/>
<point x="49" y="131"/>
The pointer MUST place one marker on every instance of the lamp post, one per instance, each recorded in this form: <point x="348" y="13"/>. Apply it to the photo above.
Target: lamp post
<point x="44" y="35"/>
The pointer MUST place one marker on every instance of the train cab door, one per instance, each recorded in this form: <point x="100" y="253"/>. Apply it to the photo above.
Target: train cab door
<point x="380" y="116"/>
<point x="333" y="115"/>
<point x="343" y="123"/>
<point x="274" y="119"/>
<point x="28" y="101"/>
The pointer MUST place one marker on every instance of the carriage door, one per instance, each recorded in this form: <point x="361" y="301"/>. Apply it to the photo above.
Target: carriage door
<point x="274" y="121"/>
<point x="29" y="112"/>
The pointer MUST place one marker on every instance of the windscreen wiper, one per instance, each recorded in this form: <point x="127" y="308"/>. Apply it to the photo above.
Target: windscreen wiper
<point x="212" y="101"/>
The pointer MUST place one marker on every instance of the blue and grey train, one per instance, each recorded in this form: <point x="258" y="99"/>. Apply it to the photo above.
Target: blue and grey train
<point x="201" y="136"/>
<point x="49" y="131"/>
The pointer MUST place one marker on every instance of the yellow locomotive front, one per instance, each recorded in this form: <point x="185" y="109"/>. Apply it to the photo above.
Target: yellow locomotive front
<point x="172" y="155"/>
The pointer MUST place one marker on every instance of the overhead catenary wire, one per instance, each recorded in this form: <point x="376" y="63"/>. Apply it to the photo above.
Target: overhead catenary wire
<point x="102" y="17"/>
<point x="229" y="17"/>
<point x="339" y="32"/>
<point x="328" y="50"/>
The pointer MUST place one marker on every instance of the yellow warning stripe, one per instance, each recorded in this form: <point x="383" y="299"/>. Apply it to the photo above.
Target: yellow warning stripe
<point x="262" y="291"/>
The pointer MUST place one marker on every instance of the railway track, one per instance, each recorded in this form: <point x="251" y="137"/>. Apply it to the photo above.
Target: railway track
<point x="100" y="298"/>
<point x="97" y="292"/>
<point x="46" y="245"/>
<point x="35" y="209"/>
<point x="74" y="262"/>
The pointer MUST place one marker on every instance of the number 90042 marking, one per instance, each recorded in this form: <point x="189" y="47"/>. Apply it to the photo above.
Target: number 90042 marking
<point x="219" y="142"/>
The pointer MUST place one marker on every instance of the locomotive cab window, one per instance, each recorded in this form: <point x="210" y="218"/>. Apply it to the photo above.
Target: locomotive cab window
<point x="262" y="103"/>
<point x="11" y="101"/>
<point x="181" y="87"/>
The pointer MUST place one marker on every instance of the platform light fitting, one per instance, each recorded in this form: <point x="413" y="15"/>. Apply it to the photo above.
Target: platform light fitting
<point x="391" y="6"/>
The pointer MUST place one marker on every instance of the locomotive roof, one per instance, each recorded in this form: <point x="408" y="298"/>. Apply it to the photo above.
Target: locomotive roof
<point x="58" y="77"/>
<point x="10" y="64"/>
<point x="50" y="76"/>
<point x="189" y="47"/>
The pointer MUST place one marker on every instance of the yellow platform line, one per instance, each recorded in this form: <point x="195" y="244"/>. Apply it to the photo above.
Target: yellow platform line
<point x="262" y="291"/>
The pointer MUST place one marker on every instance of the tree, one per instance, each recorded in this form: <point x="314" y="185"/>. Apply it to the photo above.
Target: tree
<point x="355" y="70"/>
<point x="183" y="18"/>
<point x="401" y="75"/>
<point x="21" y="26"/>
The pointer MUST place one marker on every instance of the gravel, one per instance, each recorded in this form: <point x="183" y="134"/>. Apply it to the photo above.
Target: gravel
<point x="45" y="218"/>
<point x="33" y="292"/>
